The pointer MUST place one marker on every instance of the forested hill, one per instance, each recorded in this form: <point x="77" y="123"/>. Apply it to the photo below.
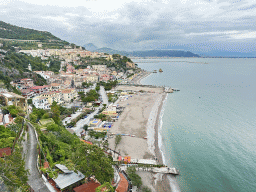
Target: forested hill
<point x="8" y="31"/>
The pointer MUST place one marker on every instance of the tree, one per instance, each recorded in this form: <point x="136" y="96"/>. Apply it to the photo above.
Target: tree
<point x="12" y="170"/>
<point x="135" y="178"/>
<point x="118" y="139"/>
<point x="85" y="127"/>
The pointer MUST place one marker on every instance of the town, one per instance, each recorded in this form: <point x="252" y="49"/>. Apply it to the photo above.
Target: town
<point x="80" y="103"/>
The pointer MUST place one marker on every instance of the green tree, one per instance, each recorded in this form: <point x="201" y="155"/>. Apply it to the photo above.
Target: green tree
<point x="118" y="139"/>
<point x="135" y="178"/>
<point x="12" y="170"/>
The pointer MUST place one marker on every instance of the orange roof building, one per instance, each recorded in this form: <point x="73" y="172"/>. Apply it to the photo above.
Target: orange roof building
<point x="123" y="184"/>
<point x="5" y="152"/>
<point x="88" y="187"/>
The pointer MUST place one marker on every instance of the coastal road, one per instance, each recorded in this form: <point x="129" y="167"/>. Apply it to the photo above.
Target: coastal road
<point x="34" y="178"/>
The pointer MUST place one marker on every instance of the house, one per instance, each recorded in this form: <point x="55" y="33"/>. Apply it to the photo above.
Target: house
<point x="55" y="86"/>
<point x="70" y="69"/>
<point x="41" y="102"/>
<point x="52" y="96"/>
<point x="88" y="187"/>
<point x="67" y="178"/>
<point x="123" y="184"/>
<point x="95" y="122"/>
<point x="27" y="93"/>
<point x="10" y="98"/>
<point x="130" y="65"/>
<point x="5" y="152"/>
<point x="99" y="67"/>
<point x="8" y="119"/>
<point x="68" y="94"/>
<point x="104" y="77"/>
<point x="45" y="74"/>
<point x="39" y="89"/>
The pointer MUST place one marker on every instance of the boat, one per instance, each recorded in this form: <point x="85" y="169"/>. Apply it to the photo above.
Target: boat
<point x="160" y="70"/>
<point x="155" y="71"/>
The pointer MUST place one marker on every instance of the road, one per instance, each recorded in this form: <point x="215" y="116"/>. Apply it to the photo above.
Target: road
<point x="103" y="95"/>
<point x="79" y="125"/>
<point x="34" y="178"/>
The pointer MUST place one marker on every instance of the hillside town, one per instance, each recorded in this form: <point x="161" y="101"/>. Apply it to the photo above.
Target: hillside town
<point x="90" y="102"/>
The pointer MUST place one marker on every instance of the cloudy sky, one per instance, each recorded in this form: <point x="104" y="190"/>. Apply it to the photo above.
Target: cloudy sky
<point x="200" y="26"/>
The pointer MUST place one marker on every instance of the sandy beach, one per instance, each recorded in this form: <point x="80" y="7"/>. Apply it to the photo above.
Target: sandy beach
<point x="141" y="118"/>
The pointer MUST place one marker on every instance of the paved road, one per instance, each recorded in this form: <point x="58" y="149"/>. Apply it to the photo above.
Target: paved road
<point x="79" y="125"/>
<point x="104" y="95"/>
<point x="34" y="178"/>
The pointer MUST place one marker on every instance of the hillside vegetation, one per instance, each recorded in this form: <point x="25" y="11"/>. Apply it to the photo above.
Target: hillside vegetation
<point x="8" y="31"/>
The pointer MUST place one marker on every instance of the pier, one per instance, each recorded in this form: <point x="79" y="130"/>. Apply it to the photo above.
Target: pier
<point x="162" y="170"/>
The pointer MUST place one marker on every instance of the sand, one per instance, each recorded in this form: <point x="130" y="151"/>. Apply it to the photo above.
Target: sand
<point x="140" y="118"/>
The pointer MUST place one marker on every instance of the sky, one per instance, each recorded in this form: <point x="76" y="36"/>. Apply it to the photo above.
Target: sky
<point x="200" y="26"/>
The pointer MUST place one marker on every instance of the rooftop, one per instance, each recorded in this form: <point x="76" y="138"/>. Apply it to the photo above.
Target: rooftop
<point x="68" y="177"/>
<point x="7" y="151"/>
<point x="88" y="187"/>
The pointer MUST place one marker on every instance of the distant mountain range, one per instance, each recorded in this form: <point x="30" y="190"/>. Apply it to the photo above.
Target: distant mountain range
<point x="148" y="53"/>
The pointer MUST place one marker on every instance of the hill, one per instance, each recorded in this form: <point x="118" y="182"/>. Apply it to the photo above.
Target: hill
<point x="8" y="31"/>
<point x="90" y="47"/>
<point x="163" y="53"/>
<point x="112" y="51"/>
<point x="24" y="38"/>
<point x="149" y="53"/>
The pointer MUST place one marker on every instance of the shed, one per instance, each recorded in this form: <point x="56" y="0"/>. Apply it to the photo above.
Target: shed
<point x="67" y="178"/>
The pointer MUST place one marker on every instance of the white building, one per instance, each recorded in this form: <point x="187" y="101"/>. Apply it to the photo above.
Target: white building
<point x="40" y="102"/>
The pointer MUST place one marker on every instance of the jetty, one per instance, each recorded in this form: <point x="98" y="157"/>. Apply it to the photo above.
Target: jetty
<point x="162" y="170"/>
<point x="168" y="90"/>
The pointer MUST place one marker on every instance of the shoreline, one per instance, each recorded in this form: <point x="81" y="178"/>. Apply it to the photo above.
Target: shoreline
<point x="162" y="184"/>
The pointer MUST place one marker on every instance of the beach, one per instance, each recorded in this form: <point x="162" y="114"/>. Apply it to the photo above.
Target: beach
<point x="141" y="118"/>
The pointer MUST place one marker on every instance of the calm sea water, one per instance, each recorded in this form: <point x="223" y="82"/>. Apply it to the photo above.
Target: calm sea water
<point x="209" y="127"/>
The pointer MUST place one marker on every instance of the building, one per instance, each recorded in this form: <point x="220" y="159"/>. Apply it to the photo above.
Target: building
<point x="68" y="94"/>
<point x="10" y="98"/>
<point x="130" y="65"/>
<point x="40" y="102"/>
<point x="95" y="122"/>
<point x="99" y="67"/>
<point x="29" y="67"/>
<point x="123" y="184"/>
<point x="52" y="96"/>
<point x="88" y="187"/>
<point x="67" y="178"/>
<point x="55" y="86"/>
<point x="5" y="152"/>
<point x="39" y="89"/>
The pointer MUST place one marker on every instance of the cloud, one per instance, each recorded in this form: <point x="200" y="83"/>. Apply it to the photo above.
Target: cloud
<point x="200" y="25"/>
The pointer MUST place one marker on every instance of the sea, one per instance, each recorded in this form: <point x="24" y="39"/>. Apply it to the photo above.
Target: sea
<point x="208" y="128"/>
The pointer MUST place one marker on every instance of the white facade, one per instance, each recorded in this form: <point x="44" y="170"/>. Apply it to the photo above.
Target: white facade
<point x="40" y="102"/>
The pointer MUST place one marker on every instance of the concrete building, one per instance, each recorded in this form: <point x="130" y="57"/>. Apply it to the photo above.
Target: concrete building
<point x="10" y="98"/>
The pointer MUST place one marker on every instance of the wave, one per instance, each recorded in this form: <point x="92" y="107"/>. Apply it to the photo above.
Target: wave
<point x="172" y="180"/>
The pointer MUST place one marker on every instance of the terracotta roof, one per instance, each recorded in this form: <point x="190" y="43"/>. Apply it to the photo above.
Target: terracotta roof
<point x="88" y="187"/>
<point x="46" y="164"/>
<point x="7" y="151"/>
<point x="123" y="184"/>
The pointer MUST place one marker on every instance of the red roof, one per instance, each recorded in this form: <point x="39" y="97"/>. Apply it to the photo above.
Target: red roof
<point x="123" y="184"/>
<point x="88" y="187"/>
<point x="7" y="151"/>
<point x="46" y="164"/>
